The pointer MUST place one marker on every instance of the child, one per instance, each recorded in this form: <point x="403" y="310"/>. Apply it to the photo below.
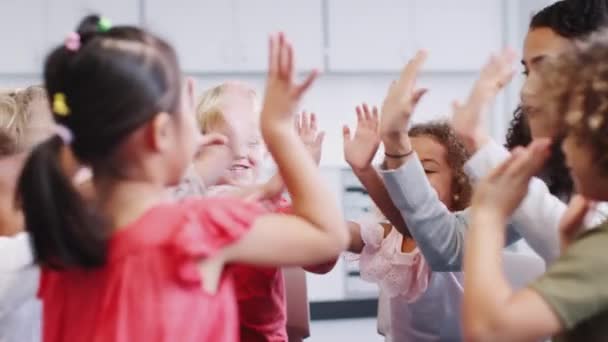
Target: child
<point x="133" y="265"/>
<point x="231" y="109"/>
<point x="569" y="301"/>
<point x="25" y="120"/>
<point x="418" y="298"/>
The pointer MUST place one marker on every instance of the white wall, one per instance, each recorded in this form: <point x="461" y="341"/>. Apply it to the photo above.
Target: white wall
<point x="360" y="45"/>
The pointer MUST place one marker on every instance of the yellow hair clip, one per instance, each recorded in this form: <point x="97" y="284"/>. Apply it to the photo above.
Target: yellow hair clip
<point x="60" y="107"/>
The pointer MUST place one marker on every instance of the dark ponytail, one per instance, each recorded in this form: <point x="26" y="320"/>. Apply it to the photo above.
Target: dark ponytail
<point x="118" y="80"/>
<point x="64" y="230"/>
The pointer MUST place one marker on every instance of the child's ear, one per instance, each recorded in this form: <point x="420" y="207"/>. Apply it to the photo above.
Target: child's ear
<point x="190" y="90"/>
<point x="158" y="132"/>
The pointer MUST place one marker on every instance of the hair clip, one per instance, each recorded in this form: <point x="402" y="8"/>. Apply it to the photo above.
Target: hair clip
<point x="72" y="41"/>
<point x="60" y="107"/>
<point x="64" y="133"/>
<point x="104" y="24"/>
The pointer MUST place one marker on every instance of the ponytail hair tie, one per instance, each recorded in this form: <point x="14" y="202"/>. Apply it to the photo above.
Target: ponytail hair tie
<point x="104" y="24"/>
<point x="72" y="41"/>
<point x="60" y="106"/>
<point x="64" y="133"/>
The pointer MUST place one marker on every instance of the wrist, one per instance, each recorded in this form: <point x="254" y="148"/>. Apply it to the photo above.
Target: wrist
<point x="274" y="133"/>
<point x="358" y="170"/>
<point x="397" y="143"/>
<point x="487" y="215"/>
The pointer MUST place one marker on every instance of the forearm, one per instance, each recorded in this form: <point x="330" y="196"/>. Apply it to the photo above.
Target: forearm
<point x="438" y="232"/>
<point x="487" y="288"/>
<point x="373" y="183"/>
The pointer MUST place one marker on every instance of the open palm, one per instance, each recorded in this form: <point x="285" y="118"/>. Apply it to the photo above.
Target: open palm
<point x="359" y="151"/>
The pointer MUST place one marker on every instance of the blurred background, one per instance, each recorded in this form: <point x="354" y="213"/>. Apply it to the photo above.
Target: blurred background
<point x="360" y="46"/>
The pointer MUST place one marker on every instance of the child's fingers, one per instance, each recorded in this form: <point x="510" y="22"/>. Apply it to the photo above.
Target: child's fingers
<point x="375" y="118"/>
<point x="297" y="123"/>
<point x="273" y="56"/>
<point x="418" y="94"/>
<point x="290" y="60"/>
<point x="573" y="218"/>
<point x="412" y="69"/>
<point x="303" y="87"/>
<point x="283" y="47"/>
<point x="305" y="121"/>
<point x="531" y="161"/>
<point x="346" y="133"/>
<point x="320" y="138"/>
<point x="313" y="122"/>
<point x="366" y="113"/>
<point x="359" y="115"/>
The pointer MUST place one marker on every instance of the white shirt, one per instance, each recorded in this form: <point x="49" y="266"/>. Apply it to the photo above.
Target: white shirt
<point x="20" y="310"/>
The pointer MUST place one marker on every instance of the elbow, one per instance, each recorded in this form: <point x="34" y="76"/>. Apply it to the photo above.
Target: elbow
<point x="322" y="268"/>
<point x="478" y="331"/>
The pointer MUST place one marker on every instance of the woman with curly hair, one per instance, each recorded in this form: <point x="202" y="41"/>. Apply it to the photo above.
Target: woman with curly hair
<point x="570" y="301"/>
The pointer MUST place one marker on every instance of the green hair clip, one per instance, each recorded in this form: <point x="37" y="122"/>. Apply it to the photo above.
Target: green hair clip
<point x="104" y="24"/>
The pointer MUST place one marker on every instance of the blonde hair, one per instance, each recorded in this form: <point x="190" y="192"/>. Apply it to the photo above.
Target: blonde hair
<point x="22" y="125"/>
<point x="209" y="114"/>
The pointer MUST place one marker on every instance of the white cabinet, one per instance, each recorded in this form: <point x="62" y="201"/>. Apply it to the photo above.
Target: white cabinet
<point x="372" y="35"/>
<point x="21" y="34"/>
<point x="229" y="36"/>
<point x="459" y="35"/>
<point x="63" y="16"/>
<point x="200" y="30"/>
<point x="369" y="35"/>
<point x="301" y="20"/>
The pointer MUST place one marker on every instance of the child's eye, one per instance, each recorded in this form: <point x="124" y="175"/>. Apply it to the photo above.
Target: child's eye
<point x="428" y="172"/>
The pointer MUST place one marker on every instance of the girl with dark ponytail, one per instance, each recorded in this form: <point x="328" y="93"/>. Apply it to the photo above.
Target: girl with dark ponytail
<point x="130" y="264"/>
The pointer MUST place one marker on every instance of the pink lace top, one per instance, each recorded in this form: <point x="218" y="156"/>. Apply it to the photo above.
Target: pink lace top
<point x="382" y="261"/>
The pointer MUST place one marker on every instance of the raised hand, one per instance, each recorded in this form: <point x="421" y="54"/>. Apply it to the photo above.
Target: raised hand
<point x="306" y="127"/>
<point x="467" y="119"/>
<point x="572" y="222"/>
<point x="359" y="151"/>
<point x="402" y="98"/>
<point x="501" y="192"/>
<point x="282" y="94"/>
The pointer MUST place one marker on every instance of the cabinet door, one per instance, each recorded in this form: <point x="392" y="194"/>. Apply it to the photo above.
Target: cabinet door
<point x="301" y="20"/>
<point x="200" y="30"/>
<point x="65" y="15"/>
<point x="460" y="35"/>
<point x="369" y="35"/>
<point x="22" y="36"/>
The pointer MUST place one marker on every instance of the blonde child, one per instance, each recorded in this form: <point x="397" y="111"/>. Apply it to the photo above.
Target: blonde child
<point x="25" y="121"/>
<point x="570" y="301"/>
<point x="132" y="264"/>
<point x="231" y="109"/>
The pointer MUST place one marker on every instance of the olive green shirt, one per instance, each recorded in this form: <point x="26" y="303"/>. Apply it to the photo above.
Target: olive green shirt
<point x="576" y="288"/>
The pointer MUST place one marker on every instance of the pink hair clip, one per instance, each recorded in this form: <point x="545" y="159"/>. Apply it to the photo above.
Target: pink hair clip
<point x="72" y="41"/>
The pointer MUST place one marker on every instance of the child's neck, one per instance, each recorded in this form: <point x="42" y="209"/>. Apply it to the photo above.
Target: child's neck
<point x="124" y="201"/>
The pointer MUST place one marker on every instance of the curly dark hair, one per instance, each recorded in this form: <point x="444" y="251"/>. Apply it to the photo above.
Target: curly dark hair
<point x="555" y="173"/>
<point x="576" y="91"/>
<point x="457" y="155"/>
<point x="572" y="19"/>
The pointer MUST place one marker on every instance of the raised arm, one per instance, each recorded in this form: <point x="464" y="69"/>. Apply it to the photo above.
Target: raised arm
<point x="359" y="151"/>
<point x="537" y="218"/>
